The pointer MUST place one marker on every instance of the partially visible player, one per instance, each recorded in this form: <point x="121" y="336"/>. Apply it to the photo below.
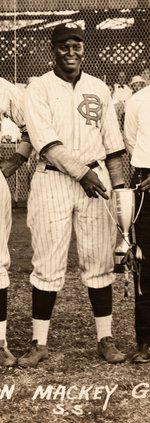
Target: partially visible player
<point x="137" y="139"/>
<point x="73" y="126"/>
<point x="11" y="105"/>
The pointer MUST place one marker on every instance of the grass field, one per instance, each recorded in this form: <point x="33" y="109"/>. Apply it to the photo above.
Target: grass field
<point x="75" y="384"/>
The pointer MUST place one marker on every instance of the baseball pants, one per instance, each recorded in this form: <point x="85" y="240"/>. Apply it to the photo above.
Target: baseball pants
<point x="142" y="302"/>
<point x="5" y="227"/>
<point x="56" y="202"/>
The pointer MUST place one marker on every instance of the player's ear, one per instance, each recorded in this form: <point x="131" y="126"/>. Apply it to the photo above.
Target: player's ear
<point x="53" y="54"/>
<point x="53" y="50"/>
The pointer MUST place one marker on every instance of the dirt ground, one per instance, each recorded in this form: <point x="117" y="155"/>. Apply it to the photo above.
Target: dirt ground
<point x="74" y="385"/>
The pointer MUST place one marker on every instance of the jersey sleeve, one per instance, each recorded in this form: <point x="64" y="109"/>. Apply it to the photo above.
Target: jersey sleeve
<point x="38" y="118"/>
<point x="11" y="102"/>
<point x="11" y="105"/>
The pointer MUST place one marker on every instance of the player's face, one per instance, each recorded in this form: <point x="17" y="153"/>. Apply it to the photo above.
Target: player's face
<point x="68" y="54"/>
<point x="137" y="86"/>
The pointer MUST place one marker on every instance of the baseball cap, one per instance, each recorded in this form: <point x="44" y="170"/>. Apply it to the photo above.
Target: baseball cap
<point x="64" y="31"/>
<point x="135" y="79"/>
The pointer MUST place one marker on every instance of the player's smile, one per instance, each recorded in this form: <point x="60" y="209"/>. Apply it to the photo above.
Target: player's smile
<point x="69" y="54"/>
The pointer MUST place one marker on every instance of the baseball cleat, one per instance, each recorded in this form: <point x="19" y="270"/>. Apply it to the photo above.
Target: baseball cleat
<point x="108" y="350"/>
<point x="142" y="354"/>
<point x="34" y="355"/>
<point x="6" y="357"/>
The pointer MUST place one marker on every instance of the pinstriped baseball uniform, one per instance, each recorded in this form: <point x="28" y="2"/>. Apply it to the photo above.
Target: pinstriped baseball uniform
<point x="56" y="111"/>
<point x="11" y="105"/>
<point x="84" y="120"/>
<point x="5" y="227"/>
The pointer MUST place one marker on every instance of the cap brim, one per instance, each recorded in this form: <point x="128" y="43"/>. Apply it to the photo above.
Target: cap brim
<point x="66" y="37"/>
<point x="136" y="82"/>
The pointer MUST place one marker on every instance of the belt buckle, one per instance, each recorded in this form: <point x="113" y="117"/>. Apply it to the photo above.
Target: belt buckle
<point x="41" y="167"/>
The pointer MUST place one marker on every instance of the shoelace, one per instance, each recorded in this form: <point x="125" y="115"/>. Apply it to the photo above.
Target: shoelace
<point x="109" y="341"/>
<point x="30" y="351"/>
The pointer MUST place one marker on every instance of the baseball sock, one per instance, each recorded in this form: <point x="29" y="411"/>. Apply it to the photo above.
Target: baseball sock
<point x="42" y="307"/>
<point x="103" y="326"/>
<point x="40" y="330"/>
<point x="3" y="315"/>
<point x="101" y="301"/>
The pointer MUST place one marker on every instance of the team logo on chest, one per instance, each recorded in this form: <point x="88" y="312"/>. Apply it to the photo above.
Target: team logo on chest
<point x="90" y="108"/>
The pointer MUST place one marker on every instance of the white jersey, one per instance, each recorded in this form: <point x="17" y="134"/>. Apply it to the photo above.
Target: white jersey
<point x="10" y="129"/>
<point x="11" y="102"/>
<point x="82" y="118"/>
<point x="11" y="106"/>
<point x="137" y="128"/>
<point x="122" y="93"/>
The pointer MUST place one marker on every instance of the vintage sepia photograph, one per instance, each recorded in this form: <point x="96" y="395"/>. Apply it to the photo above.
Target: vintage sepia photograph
<point x="74" y="211"/>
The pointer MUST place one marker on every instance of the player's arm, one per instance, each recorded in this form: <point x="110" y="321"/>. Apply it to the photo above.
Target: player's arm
<point x="45" y="141"/>
<point x="11" y="99"/>
<point x="113" y="142"/>
<point x="60" y="157"/>
<point x="9" y="166"/>
<point x="115" y="168"/>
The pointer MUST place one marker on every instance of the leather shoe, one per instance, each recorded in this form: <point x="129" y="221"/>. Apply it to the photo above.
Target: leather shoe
<point x="142" y="354"/>
<point x="108" y="350"/>
<point x="6" y="357"/>
<point x="34" y="355"/>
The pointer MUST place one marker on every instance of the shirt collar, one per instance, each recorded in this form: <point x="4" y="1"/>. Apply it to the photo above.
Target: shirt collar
<point x="62" y="82"/>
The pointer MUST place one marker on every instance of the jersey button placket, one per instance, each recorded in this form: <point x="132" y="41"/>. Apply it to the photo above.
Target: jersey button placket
<point x="76" y="131"/>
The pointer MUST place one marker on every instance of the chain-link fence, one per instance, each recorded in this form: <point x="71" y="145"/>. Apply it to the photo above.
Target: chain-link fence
<point x="117" y="37"/>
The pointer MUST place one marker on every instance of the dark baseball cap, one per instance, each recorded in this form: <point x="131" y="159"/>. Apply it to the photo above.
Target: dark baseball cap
<point x="64" y="31"/>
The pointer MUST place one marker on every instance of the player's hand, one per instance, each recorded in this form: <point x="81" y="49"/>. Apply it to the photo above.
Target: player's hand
<point x="8" y="167"/>
<point x="145" y="185"/>
<point x="92" y="185"/>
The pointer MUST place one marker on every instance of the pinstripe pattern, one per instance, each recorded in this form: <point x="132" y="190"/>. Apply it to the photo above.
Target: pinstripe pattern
<point x="54" y="202"/>
<point x="5" y="227"/>
<point x="55" y="111"/>
<point x="11" y="105"/>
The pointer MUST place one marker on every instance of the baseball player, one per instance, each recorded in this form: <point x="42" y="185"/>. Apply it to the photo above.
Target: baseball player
<point x="11" y="104"/>
<point x="137" y="138"/>
<point x="73" y="127"/>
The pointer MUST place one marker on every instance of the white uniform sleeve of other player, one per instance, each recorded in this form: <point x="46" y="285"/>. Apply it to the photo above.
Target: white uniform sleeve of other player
<point x="130" y="125"/>
<point x="137" y="128"/>
<point x="11" y="105"/>
<point x="11" y="102"/>
<point x="112" y="138"/>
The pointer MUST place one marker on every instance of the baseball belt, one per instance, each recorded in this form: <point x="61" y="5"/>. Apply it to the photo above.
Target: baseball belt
<point x="91" y="165"/>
